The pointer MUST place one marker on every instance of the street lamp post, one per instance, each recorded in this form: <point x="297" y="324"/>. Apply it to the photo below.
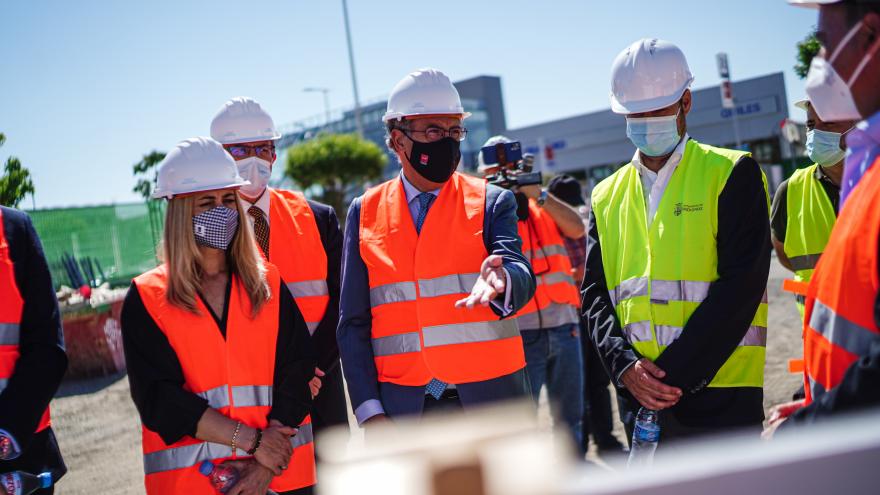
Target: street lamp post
<point x="354" y="84"/>
<point x="324" y="91"/>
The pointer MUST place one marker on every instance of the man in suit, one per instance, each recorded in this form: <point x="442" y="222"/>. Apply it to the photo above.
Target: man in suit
<point x="32" y="357"/>
<point x="432" y="271"/>
<point x="299" y="236"/>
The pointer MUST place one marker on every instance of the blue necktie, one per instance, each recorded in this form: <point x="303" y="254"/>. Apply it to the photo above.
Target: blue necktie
<point x="425" y="200"/>
<point x="435" y="387"/>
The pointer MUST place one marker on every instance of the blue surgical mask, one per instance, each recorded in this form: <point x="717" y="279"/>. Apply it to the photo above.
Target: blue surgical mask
<point x="654" y="136"/>
<point x="216" y="227"/>
<point x="823" y="147"/>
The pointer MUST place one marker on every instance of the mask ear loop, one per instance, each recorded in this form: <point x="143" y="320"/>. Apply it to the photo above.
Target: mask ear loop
<point x="864" y="63"/>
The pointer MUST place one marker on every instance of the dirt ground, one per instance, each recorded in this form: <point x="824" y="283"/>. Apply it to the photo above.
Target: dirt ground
<point x="98" y="428"/>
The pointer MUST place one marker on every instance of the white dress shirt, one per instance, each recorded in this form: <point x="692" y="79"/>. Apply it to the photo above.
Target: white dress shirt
<point x="654" y="183"/>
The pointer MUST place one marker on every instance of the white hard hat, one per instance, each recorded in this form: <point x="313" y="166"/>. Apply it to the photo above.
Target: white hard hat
<point x="424" y="92"/>
<point x="242" y="120"/>
<point x="196" y="164"/>
<point x="648" y="75"/>
<point x="492" y="141"/>
<point x="803" y="104"/>
<point x="813" y="4"/>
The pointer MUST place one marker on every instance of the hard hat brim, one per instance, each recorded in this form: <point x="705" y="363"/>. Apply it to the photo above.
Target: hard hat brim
<point x="398" y="115"/>
<point x="276" y="137"/>
<point x="812" y="4"/>
<point x="158" y="194"/>
<point x="648" y="105"/>
<point x="803" y="104"/>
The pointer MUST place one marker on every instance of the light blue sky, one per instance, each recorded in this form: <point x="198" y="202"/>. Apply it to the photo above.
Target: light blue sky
<point x="87" y="87"/>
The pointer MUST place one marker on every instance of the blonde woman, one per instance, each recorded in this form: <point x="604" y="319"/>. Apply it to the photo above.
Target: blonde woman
<point x="219" y="356"/>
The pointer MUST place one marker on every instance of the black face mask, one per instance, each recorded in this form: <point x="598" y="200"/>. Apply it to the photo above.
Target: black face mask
<point x="522" y="206"/>
<point x="435" y="161"/>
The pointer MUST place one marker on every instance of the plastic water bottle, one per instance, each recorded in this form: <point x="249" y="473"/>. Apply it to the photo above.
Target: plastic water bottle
<point x="21" y="483"/>
<point x="222" y="477"/>
<point x="646" y="436"/>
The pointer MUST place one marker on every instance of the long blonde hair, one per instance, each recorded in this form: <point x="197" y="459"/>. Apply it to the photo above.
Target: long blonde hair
<point x="183" y="259"/>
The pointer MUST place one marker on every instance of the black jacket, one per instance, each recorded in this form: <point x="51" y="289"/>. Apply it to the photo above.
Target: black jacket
<point x="718" y="324"/>
<point x="324" y="338"/>
<point x="42" y="361"/>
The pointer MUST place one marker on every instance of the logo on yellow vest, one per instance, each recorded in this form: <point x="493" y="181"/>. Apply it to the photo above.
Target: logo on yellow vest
<point x="683" y="208"/>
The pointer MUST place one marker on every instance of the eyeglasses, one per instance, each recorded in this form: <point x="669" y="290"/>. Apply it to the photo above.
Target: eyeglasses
<point x="244" y="150"/>
<point x="434" y="133"/>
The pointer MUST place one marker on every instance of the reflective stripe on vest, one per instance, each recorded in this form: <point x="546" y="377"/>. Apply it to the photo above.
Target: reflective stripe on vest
<point x="554" y="278"/>
<point x="193" y="455"/>
<point x="396" y="344"/>
<point x="805" y="262"/>
<point x="9" y="333"/>
<point x="453" y="333"/>
<point x="309" y="288"/>
<point x="640" y="331"/>
<point x="554" y="315"/>
<point x="548" y="250"/>
<point x="841" y="332"/>
<point x="469" y="333"/>
<point x="657" y="275"/>
<point x="295" y="247"/>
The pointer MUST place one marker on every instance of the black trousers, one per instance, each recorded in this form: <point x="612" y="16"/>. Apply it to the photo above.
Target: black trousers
<point x="598" y="416"/>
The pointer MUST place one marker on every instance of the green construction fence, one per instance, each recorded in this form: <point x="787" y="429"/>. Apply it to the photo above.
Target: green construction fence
<point x="118" y="240"/>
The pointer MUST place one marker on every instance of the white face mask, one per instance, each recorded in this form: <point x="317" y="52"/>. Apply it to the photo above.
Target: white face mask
<point x="829" y="94"/>
<point x="654" y="136"/>
<point x="257" y="171"/>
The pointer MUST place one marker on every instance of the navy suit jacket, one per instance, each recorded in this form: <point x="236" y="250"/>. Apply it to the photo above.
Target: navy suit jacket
<point x="353" y="334"/>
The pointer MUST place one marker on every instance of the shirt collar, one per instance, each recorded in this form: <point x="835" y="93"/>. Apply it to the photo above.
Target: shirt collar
<point x="820" y="175"/>
<point x="673" y="160"/>
<point x="262" y="203"/>
<point x="411" y="192"/>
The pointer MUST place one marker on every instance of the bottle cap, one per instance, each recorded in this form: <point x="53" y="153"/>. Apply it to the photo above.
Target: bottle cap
<point x="45" y="480"/>
<point x="206" y="468"/>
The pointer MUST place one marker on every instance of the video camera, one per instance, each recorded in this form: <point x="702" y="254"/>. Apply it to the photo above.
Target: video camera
<point x="512" y="168"/>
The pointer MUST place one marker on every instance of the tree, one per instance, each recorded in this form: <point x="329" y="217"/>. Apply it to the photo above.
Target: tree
<point x="16" y="181"/>
<point x="335" y="162"/>
<point x="807" y="49"/>
<point x="145" y="173"/>
<point x="142" y="169"/>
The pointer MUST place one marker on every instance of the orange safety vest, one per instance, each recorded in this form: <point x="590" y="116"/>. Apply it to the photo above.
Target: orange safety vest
<point x="556" y="295"/>
<point x="11" y="306"/>
<point x="295" y="248"/>
<point x="839" y="321"/>
<point x="235" y="375"/>
<point x="415" y="279"/>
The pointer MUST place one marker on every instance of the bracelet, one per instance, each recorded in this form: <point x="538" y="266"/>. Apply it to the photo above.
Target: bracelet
<point x="257" y="440"/>
<point x="235" y="436"/>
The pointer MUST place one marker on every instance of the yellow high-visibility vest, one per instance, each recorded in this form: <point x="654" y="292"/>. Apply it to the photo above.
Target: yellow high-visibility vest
<point x="658" y="276"/>
<point x="811" y="217"/>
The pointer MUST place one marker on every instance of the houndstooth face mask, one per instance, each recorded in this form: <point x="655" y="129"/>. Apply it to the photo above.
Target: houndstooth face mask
<point x="216" y="227"/>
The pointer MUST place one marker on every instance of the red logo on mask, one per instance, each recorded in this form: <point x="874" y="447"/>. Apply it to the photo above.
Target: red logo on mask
<point x="424" y="159"/>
